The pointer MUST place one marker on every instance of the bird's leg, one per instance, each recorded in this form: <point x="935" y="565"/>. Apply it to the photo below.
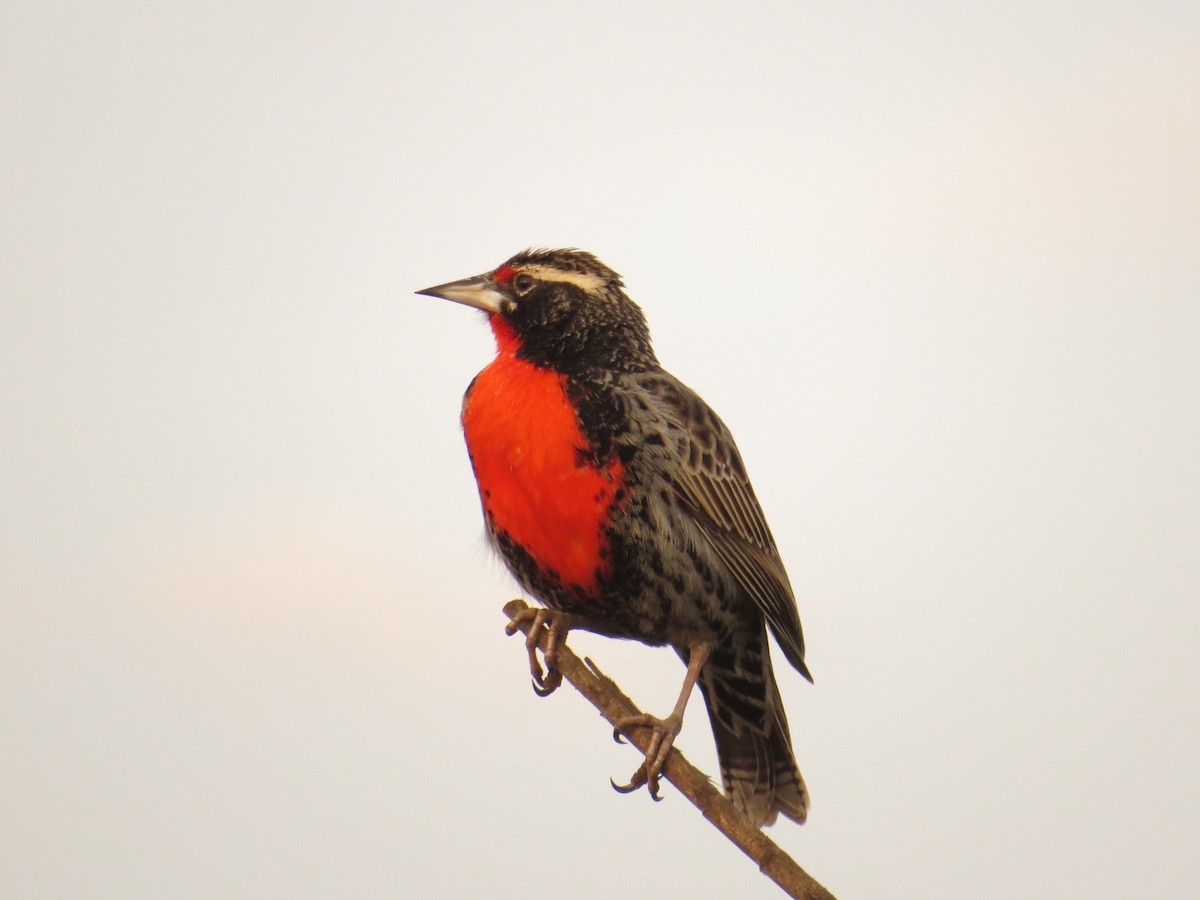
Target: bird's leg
<point x="663" y="731"/>
<point x="558" y="624"/>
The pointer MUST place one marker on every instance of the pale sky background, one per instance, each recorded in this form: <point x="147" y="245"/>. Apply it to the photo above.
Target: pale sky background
<point x="936" y="265"/>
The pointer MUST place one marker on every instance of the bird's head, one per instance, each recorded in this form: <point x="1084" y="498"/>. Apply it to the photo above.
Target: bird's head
<point x="560" y="309"/>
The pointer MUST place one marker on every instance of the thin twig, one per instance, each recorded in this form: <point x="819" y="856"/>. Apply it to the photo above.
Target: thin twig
<point x="603" y="693"/>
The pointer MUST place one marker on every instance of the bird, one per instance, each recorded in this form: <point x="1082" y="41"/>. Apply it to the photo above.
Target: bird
<point x="618" y="499"/>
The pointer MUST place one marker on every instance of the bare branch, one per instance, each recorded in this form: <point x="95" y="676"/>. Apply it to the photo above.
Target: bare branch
<point x="603" y="693"/>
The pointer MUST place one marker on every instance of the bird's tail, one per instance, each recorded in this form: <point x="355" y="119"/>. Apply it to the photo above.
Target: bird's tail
<point x="754" y="746"/>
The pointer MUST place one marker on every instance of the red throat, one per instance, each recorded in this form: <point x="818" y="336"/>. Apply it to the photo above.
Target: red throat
<point x="536" y="481"/>
<point x="507" y="342"/>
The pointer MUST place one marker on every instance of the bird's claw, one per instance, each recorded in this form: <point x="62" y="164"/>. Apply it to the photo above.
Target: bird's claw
<point x="639" y="778"/>
<point x="545" y="682"/>
<point x="662" y="738"/>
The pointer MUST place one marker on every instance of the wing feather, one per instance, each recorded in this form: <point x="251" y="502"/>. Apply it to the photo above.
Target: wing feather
<point x="710" y="479"/>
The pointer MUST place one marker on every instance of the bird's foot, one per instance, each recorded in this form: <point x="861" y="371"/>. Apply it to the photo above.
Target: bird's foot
<point x="662" y="738"/>
<point x="557" y="624"/>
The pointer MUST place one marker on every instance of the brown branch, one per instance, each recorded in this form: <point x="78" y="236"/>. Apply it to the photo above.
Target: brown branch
<point x="603" y="693"/>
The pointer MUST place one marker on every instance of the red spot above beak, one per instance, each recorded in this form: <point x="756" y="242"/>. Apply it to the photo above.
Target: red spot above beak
<point x="504" y="274"/>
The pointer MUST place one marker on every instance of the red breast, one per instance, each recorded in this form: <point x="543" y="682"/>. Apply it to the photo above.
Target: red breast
<point x="536" y="479"/>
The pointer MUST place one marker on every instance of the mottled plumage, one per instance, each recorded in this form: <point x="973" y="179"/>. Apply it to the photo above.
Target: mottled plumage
<point x="617" y="496"/>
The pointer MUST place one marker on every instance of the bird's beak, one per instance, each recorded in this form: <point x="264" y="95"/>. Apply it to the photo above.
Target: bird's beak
<point x="479" y="292"/>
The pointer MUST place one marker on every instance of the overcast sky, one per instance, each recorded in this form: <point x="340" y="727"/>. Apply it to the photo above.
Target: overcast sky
<point x="935" y="264"/>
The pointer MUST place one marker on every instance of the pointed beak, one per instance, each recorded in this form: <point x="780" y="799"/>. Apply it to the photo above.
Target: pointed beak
<point x="479" y="292"/>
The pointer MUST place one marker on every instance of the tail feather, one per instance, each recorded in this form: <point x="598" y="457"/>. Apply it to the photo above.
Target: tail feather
<point x="754" y="745"/>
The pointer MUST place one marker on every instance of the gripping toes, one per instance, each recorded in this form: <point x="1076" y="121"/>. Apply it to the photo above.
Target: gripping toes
<point x="662" y="738"/>
<point x="544" y="683"/>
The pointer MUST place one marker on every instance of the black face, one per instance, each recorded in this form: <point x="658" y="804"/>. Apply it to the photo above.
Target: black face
<point x="570" y="313"/>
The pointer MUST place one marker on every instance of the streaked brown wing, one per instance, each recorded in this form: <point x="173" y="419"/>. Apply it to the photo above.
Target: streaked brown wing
<point x="711" y="480"/>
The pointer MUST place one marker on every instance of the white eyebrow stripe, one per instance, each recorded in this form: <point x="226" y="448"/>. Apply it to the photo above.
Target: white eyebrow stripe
<point x="586" y="281"/>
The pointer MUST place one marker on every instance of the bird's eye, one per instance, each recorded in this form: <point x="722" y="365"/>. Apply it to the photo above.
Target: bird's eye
<point x="523" y="283"/>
